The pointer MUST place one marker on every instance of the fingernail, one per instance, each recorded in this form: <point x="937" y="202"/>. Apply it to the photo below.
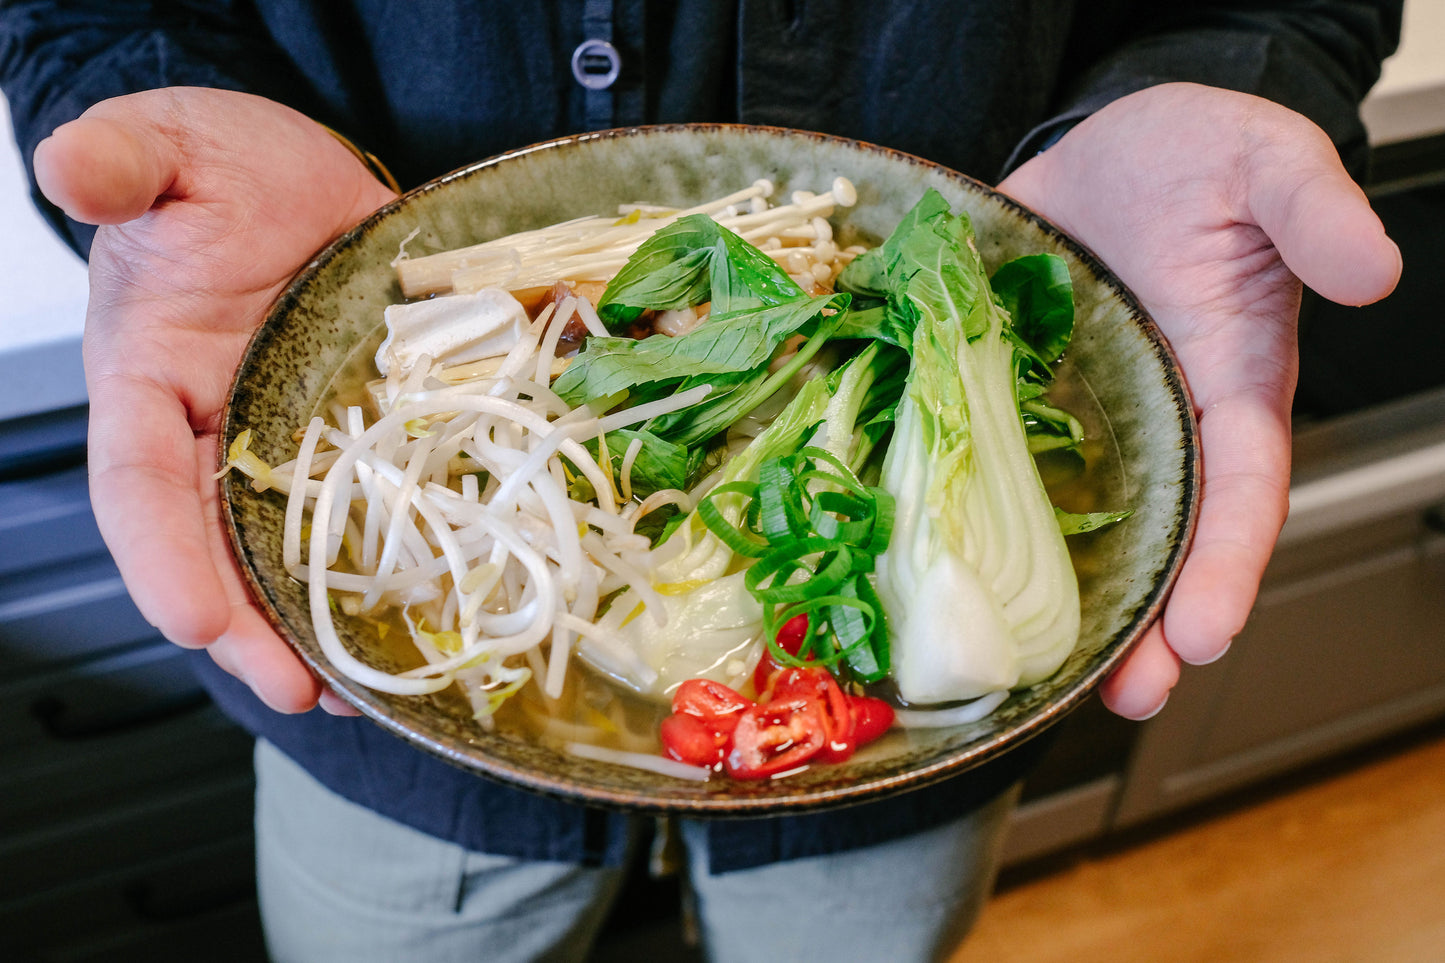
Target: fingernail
<point x="1154" y="711"/>
<point x="1211" y="659"/>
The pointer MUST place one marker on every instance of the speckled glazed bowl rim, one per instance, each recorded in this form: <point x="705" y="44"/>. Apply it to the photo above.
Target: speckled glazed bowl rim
<point x="549" y="772"/>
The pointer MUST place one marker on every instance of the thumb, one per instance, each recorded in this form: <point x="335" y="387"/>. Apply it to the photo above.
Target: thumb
<point x="1318" y="218"/>
<point x="100" y="171"/>
<point x="112" y="163"/>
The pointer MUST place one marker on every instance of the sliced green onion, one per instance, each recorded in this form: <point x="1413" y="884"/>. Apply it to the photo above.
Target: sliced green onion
<point x="733" y="536"/>
<point x="814" y="531"/>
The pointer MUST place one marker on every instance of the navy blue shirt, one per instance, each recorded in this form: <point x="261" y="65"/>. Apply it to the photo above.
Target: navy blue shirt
<point x="431" y="86"/>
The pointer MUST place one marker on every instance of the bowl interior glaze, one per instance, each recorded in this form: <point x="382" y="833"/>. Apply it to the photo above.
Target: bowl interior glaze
<point x="329" y="319"/>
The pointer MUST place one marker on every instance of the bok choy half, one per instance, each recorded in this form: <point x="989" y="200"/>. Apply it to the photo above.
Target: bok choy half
<point x="977" y="579"/>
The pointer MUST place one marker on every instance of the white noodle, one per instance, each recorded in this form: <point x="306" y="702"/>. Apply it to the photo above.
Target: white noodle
<point x="291" y="528"/>
<point x="548" y="350"/>
<point x="589" y="317"/>
<point x="639" y="760"/>
<point x="956" y="716"/>
<point x="634" y="448"/>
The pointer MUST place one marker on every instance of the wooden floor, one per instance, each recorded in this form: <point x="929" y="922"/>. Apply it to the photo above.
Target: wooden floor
<point x="1346" y="867"/>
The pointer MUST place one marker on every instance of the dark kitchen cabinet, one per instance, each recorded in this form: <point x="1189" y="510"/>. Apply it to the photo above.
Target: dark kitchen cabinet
<point x="125" y="797"/>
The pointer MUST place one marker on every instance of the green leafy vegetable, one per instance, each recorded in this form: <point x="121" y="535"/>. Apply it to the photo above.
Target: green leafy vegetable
<point x="690" y="261"/>
<point x="733" y="343"/>
<point x="659" y="463"/>
<point x="1038" y="295"/>
<point x="947" y="566"/>
<point x="755" y="309"/>
<point x="1071" y="523"/>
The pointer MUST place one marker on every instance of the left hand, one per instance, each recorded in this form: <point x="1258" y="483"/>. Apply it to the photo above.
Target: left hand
<point x="208" y="202"/>
<point x="1212" y="207"/>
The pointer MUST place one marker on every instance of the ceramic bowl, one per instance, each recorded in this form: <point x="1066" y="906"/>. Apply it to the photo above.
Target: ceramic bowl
<point x="1140" y="420"/>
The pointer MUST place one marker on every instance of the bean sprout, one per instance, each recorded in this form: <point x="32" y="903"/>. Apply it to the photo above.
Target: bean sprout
<point x="455" y="497"/>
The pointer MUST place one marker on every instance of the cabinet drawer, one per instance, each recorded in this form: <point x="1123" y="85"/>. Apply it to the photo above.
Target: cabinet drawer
<point x="40" y="444"/>
<point x="226" y="936"/>
<point x="46" y="519"/>
<point x="95" y="699"/>
<point x="1336" y="649"/>
<point x="1346" y="644"/>
<point x="146" y="904"/>
<point x="198" y="904"/>
<point x="66" y="612"/>
<point x="61" y="779"/>
<point x="188" y="815"/>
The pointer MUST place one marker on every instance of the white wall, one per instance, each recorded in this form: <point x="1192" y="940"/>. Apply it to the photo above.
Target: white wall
<point x="42" y="302"/>
<point x="1409" y="100"/>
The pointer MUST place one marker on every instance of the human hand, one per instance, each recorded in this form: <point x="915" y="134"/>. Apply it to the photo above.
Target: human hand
<point x="1212" y="206"/>
<point x="208" y="201"/>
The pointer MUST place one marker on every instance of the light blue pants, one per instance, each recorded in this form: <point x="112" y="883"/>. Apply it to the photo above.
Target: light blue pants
<point x="340" y="883"/>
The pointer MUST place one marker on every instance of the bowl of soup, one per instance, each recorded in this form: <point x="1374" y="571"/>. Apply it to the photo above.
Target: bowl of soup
<point x="456" y="466"/>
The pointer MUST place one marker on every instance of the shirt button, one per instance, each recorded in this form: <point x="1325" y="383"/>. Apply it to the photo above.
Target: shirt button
<point x="596" y="64"/>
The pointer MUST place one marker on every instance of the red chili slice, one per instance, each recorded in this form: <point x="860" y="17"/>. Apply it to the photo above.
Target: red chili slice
<point x="819" y="686"/>
<point x="715" y="704"/>
<point x="688" y="739"/>
<point x="807" y="717"/>
<point x="871" y="718"/>
<point x="775" y="737"/>
<point x="790" y="638"/>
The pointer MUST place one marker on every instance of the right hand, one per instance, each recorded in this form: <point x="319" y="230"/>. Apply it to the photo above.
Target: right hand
<point x="208" y="203"/>
<point x="1213" y="206"/>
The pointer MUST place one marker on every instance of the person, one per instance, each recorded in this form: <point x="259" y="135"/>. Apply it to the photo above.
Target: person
<point x="1203" y="151"/>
